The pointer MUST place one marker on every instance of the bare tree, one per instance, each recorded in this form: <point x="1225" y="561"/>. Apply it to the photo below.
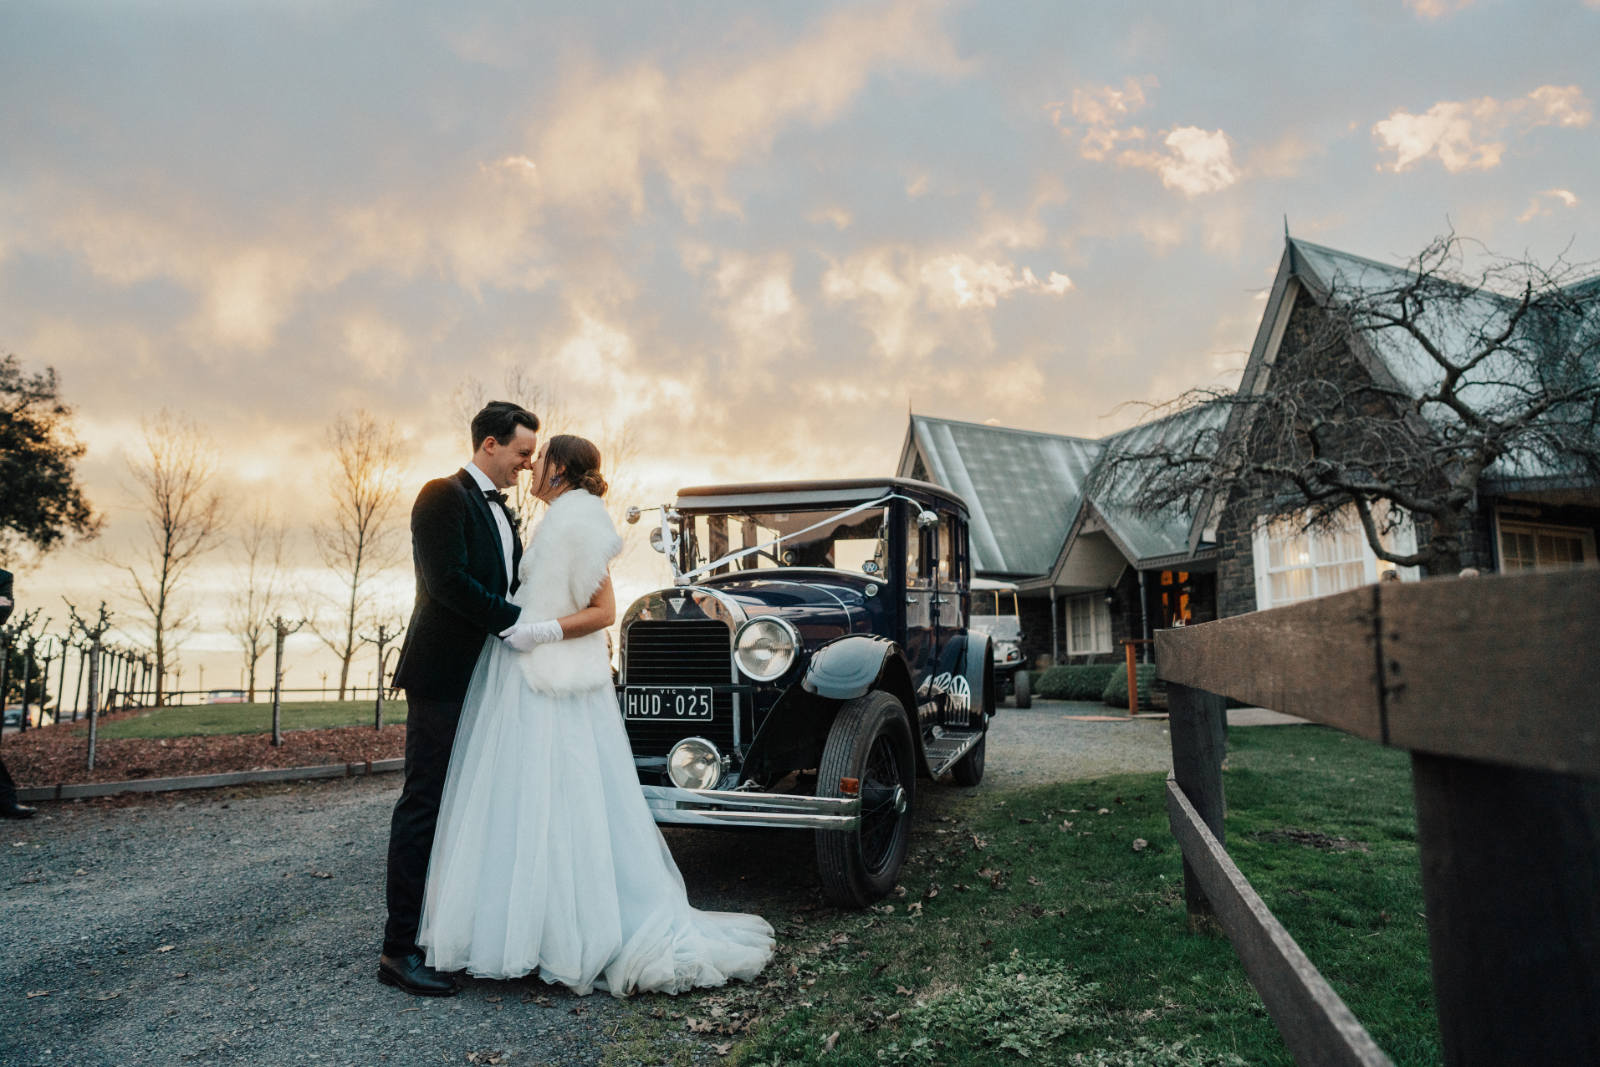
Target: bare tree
<point x="183" y="520"/>
<point x="359" y="542"/>
<point x="258" y="588"/>
<point x="1395" y="392"/>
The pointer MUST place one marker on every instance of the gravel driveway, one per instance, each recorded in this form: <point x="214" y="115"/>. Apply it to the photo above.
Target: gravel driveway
<point x="241" y="926"/>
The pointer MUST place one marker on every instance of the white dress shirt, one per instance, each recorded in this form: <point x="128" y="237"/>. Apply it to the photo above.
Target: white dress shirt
<point x="500" y="518"/>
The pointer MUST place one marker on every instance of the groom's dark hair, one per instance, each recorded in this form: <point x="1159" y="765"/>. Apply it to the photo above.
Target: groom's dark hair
<point x="499" y="419"/>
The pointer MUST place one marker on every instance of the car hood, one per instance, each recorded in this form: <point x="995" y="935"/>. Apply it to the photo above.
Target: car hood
<point x="820" y="604"/>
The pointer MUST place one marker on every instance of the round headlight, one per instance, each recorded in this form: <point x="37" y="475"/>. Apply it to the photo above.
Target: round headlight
<point x="694" y="763"/>
<point x="765" y="647"/>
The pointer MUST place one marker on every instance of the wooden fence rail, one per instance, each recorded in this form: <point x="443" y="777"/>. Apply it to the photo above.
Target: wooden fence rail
<point x="1493" y="685"/>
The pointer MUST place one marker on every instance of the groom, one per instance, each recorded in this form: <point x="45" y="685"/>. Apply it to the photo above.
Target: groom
<point x="465" y="550"/>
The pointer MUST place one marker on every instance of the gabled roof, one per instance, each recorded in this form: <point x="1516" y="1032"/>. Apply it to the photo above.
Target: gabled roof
<point x="1031" y="493"/>
<point x="1022" y="487"/>
<point x="1498" y="380"/>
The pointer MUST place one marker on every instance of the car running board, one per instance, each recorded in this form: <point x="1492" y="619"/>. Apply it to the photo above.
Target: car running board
<point x="946" y="747"/>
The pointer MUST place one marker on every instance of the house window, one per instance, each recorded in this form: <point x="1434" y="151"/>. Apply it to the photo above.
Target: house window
<point x="1088" y="624"/>
<point x="1293" y="564"/>
<point x="1524" y="547"/>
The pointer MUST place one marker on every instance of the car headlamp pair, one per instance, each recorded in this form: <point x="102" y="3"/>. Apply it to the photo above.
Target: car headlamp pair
<point x="765" y="647"/>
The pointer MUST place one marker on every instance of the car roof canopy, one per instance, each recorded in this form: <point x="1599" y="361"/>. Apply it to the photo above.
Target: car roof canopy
<point x="821" y="493"/>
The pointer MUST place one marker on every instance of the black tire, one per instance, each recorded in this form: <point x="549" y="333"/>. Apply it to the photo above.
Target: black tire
<point x="968" y="770"/>
<point x="1022" y="686"/>
<point x="871" y="742"/>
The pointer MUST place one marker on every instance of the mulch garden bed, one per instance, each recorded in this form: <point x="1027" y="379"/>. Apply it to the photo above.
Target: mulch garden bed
<point x="55" y="755"/>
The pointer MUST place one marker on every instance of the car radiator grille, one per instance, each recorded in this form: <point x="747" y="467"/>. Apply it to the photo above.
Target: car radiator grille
<point x="690" y="652"/>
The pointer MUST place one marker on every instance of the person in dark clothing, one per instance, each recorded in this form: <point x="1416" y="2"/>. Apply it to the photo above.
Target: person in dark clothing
<point x="465" y="551"/>
<point x="9" y="808"/>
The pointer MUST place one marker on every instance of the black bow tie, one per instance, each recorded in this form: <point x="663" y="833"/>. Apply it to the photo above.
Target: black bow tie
<point x="495" y="495"/>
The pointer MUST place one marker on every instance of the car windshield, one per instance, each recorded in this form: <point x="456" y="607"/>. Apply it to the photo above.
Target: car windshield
<point x="856" y="542"/>
<point x="999" y="627"/>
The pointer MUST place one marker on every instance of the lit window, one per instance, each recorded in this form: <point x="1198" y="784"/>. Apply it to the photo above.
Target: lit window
<point x="1524" y="547"/>
<point x="1293" y="564"/>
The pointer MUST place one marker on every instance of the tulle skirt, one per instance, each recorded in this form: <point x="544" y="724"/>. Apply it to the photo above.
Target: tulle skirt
<point x="546" y="858"/>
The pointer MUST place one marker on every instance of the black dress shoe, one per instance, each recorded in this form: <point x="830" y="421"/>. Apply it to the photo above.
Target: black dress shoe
<point x="411" y="973"/>
<point x="17" y="811"/>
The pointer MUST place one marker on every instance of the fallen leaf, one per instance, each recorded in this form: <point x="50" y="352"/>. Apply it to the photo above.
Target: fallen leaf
<point x="1103" y="811"/>
<point x="109" y="996"/>
<point x="1034" y="881"/>
<point x="722" y="1050"/>
<point x="1140" y="844"/>
<point x="165" y="948"/>
<point x="319" y="874"/>
<point x="1065" y="825"/>
<point x="902" y="991"/>
<point x="832" y="1040"/>
<point x="80" y="870"/>
<point x="914" y="908"/>
<point x="493" y="1000"/>
<point x="978" y="842"/>
<point x="893" y="1017"/>
<point x="40" y="993"/>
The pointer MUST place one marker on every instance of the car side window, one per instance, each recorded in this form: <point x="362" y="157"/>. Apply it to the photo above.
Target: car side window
<point x="917" y="552"/>
<point x="950" y="561"/>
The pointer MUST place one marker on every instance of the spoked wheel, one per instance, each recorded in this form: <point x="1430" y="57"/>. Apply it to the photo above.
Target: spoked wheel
<point x="870" y="743"/>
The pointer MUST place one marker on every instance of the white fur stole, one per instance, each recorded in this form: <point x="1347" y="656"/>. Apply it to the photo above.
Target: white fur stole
<point x="566" y="560"/>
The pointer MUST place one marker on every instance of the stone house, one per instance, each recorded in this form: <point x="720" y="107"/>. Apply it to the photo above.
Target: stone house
<point x="1091" y="571"/>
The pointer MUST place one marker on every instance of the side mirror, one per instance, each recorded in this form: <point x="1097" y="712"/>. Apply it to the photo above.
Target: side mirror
<point x="632" y="515"/>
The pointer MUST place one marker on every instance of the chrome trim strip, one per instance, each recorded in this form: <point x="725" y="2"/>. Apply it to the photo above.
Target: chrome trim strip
<point x="710" y="807"/>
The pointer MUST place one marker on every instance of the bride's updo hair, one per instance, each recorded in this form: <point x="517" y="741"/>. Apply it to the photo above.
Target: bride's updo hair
<point x="580" y="459"/>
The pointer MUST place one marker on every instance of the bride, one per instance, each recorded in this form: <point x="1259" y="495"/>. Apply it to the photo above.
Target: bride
<point x="546" y="858"/>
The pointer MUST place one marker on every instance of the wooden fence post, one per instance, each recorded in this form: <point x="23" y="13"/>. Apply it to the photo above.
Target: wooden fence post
<point x="1198" y="724"/>
<point x="1511" y="879"/>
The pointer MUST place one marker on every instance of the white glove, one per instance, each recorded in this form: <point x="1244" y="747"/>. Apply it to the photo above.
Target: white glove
<point x="525" y="636"/>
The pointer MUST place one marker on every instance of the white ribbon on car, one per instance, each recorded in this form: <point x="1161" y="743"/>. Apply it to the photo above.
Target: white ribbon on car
<point x="687" y="576"/>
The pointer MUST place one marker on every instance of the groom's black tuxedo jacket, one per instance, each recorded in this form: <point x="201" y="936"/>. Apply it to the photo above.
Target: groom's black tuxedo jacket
<point x="461" y="587"/>
<point x="5" y="591"/>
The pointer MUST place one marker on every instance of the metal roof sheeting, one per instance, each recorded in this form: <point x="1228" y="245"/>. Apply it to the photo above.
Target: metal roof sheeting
<point x="1501" y="382"/>
<point x="1022" y="488"/>
<point x="1025" y="489"/>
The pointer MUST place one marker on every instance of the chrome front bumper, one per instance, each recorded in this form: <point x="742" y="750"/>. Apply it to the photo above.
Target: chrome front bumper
<point x="726" y="807"/>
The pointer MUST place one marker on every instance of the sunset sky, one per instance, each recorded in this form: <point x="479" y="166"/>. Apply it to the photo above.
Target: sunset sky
<point x="751" y="235"/>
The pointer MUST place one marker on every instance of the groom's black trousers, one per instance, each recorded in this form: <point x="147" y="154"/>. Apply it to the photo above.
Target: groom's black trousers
<point x="430" y="732"/>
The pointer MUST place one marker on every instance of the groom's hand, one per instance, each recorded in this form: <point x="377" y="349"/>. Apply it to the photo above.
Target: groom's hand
<point x="527" y="635"/>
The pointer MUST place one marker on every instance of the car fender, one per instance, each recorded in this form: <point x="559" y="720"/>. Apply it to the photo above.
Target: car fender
<point x="850" y="666"/>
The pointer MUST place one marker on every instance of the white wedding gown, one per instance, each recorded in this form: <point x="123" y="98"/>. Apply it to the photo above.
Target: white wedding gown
<point x="546" y="858"/>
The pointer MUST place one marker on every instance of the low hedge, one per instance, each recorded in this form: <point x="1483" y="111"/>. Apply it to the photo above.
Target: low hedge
<point x="1116" y="690"/>
<point x="1086" y="681"/>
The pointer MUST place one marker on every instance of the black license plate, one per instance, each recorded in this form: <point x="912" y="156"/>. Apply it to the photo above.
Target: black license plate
<point x="651" y="703"/>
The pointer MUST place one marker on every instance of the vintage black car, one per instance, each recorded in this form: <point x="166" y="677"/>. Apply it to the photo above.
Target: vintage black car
<point x="810" y="663"/>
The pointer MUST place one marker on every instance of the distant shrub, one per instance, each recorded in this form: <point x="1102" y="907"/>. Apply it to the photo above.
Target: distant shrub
<point x="1116" y="690"/>
<point x="1086" y="681"/>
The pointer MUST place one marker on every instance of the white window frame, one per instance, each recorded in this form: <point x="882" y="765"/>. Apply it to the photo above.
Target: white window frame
<point x="1305" y="546"/>
<point x="1523" y="526"/>
<point x="1099" y="624"/>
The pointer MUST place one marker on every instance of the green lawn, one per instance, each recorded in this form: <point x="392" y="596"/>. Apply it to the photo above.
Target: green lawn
<point x="1035" y="928"/>
<point x="251" y="718"/>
